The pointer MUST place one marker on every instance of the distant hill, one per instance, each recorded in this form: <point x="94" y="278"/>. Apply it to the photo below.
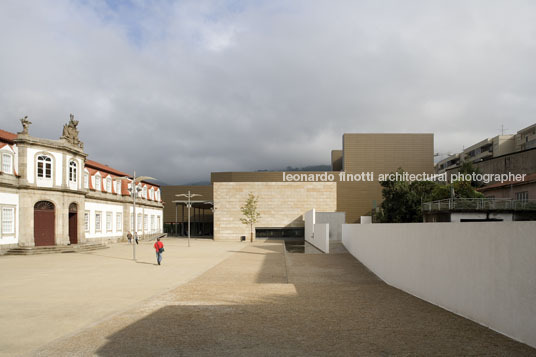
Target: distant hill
<point x="305" y="168"/>
<point x="198" y="183"/>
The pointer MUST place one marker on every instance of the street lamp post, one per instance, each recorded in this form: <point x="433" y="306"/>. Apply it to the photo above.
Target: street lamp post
<point x="189" y="205"/>
<point x="134" y="191"/>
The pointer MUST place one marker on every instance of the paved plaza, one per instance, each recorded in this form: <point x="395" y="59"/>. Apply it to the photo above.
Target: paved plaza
<point x="45" y="297"/>
<point x="225" y="299"/>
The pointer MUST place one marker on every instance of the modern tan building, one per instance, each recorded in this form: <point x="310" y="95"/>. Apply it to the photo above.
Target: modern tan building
<point x="351" y="187"/>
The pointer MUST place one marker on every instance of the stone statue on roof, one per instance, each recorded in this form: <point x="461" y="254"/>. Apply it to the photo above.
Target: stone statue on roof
<point x="70" y="132"/>
<point x="25" y="125"/>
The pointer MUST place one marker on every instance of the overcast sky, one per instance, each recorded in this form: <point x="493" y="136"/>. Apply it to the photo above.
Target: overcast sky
<point x="177" y="89"/>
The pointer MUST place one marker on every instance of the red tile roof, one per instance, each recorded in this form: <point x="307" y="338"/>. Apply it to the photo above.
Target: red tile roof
<point x="7" y="137"/>
<point x="529" y="178"/>
<point x="105" y="168"/>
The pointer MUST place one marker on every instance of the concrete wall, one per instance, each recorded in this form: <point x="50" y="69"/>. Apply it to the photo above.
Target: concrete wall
<point x="458" y="216"/>
<point x="309" y="219"/>
<point x="483" y="271"/>
<point x="335" y="221"/>
<point x="321" y="237"/>
<point x="281" y="204"/>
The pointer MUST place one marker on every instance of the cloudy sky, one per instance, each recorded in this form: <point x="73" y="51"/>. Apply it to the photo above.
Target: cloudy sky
<point x="177" y="89"/>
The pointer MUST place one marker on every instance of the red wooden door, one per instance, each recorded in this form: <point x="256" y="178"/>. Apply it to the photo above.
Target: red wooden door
<point x="73" y="222"/>
<point x="44" y="223"/>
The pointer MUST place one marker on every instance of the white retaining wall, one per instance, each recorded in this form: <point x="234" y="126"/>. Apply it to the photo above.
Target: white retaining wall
<point x="483" y="271"/>
<point x="316" y="234"/>
<point x="321" y="237"/>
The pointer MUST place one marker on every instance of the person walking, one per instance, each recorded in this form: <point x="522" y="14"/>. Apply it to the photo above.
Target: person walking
<point x="129" y="237"/>
<point x="159" y="247"/>
<point x="136" y="237"/>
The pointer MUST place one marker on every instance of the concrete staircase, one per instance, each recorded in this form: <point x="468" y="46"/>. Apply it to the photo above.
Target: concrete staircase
<point x="54" y="249"/>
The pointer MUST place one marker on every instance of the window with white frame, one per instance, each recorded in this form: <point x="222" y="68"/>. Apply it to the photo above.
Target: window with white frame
<point x="7" y="163"/>
<point x="118" y="222"/>
<point x="145" y="221"/>
<point x="44" y="167"/>
<point x="98" y="221"/>
<point x="118" y="187"/>
<point x="139" y="221"/>
<point x="98" y="182"/>
<point x="86" y="180"/>
<point x="108" y="184"/>
<point x="8" y="221"/>
<point x="86" y="221"/>
<point x="108" y="221"/>
<point x="151" y="193"/>
<point x="158" y="224"/>
<point x="72" y="171"/>
<point x="145" y="192"/>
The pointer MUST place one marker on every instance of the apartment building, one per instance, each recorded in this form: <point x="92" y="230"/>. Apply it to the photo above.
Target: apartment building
<point x="500" y="154"/>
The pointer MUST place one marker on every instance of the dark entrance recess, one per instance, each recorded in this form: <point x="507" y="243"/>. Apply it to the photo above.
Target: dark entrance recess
<point x="73" y="223"/>
<point x="44" y="223"/>
<point x="280" y="233"/>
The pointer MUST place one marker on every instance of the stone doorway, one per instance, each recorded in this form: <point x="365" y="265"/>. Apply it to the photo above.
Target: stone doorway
<point x="73" y="223"/>
<point x="44" y="228"/>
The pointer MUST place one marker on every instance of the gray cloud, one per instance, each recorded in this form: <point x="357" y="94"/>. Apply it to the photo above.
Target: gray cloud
<point x="177" y="90"/>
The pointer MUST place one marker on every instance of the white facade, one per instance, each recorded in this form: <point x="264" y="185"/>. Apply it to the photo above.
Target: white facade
<point x="94" y="208"/>
<point x="9" y="226"/>
<point x="63" y="198"/>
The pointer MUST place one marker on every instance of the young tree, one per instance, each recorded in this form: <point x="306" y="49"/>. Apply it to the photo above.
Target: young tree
<point x="249" y="210"/>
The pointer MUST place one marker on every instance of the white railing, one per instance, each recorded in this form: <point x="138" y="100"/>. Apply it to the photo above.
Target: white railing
<point x="483" y="204"/>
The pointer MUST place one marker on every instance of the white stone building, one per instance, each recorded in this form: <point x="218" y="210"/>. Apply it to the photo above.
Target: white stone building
<point x="50" y="194"/>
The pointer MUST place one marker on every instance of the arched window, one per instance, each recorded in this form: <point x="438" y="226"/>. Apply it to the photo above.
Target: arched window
<point x="108" y="184"/>
<point x="98" y="182"/>
<point x="72" y="171"/>
<point x="151" y="193"/>
<point x="144" y="191"/>
<point x="44" y="166"/>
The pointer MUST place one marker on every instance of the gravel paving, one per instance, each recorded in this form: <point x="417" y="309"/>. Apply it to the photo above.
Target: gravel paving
<point x="262" y="301"/>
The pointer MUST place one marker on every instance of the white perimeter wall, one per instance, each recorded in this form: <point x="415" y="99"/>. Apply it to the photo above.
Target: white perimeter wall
<point x="321" y="237"/>
<point x="316" y="234"/>
<point x="483" y="271"/>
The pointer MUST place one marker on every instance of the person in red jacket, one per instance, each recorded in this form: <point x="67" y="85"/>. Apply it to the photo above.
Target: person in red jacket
<point x="159" y="247"/>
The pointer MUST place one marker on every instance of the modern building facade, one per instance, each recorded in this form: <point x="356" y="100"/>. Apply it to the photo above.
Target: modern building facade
<point x="51" y="194"/>
<point x="351" y="187"/>
<point x="500" y="154"/>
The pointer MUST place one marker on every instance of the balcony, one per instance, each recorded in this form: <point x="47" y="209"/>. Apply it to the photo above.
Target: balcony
<point x="479" y="204"/>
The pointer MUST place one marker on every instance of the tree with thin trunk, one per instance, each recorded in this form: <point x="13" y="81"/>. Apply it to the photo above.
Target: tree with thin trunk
<point x="249" y="210"/>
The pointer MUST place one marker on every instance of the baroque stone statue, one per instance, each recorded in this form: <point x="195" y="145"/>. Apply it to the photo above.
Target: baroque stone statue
<point x="25" y="125"/>
<point x="70" y="132"/>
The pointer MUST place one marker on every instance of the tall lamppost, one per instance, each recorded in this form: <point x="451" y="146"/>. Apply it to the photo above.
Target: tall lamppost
<point x="134" y="192"/>
<point x="189" y="205"/>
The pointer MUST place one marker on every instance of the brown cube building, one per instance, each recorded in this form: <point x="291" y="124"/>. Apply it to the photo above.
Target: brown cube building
<point x="283" y="197"/>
